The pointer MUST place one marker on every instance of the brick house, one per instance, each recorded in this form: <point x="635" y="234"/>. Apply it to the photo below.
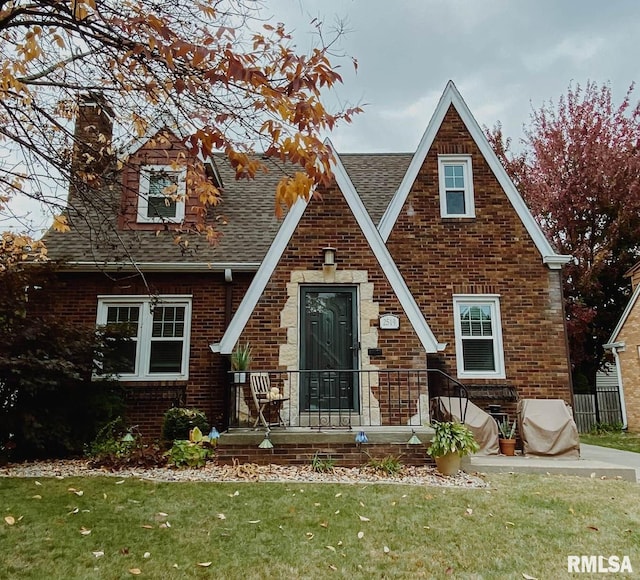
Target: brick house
<point x="411" y="273"/>
<point x="624" y="344"/>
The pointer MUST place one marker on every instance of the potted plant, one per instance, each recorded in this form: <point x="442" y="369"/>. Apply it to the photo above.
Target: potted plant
<point x="507" y="440"/>
<point x="240" y="360"/>
<point x="451" y="441"/>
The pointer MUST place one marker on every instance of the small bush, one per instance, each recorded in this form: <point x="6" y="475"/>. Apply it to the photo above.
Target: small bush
<point x="604" y="428"/>
<point x="179" y="421"/>
<point x="388" y="465"/>
<point x="117" y="447"/>
<point x="322" y="464"/>
<point x="185" y="453"/>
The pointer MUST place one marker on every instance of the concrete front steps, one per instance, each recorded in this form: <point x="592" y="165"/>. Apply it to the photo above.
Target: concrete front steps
<point x="297" y="445"/>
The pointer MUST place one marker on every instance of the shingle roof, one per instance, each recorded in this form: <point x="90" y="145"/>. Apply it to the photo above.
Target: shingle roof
<point x="245" y="219"/>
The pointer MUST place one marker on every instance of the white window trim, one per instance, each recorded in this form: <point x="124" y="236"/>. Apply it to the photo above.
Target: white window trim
<point x="143" y="197"/>
<point x="493" y="300"/>
<point x="469" y="203"/>
<point x="143" y="343"/>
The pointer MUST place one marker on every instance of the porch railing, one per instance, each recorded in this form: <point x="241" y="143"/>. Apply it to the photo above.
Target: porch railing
<point x="348" y="399"/>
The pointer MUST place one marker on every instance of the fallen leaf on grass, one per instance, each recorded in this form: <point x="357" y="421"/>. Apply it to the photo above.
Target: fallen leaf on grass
<point x="146" y="555"/>
<point x="74" y="511"/>
<point x="469" y="512"/>
<point x="221" y="517"/>
<point x="254" y="521"/>
<point x="363" y="518"/>
<point x="527" y="577"/>
<point x="36" y="497"/>
<point x="78" y="492"/>
<point x="163" y="515"/>
<point x="98" y="554"/>
<point x="234" y="494"/>
<point x="135" y="571"/>
<point x="449" y="571"/>
<point x="38" y="483"/>
<point x="593" y="528"/>
<point x="10" y="520"/>
<point x="507" y="524"/>
<point x="316" y="504"/>
<point x="324" y="525"/>
<point x="386" y="549"/>
<point x="204" y="564"/>
<point x="147" y="527"/>
<point x="330" y="548"/>
<point x="120" y="482"/>
<point x="338" y="494"/>
<point x="332" y="567"/>
<point x="84" y="531"/>
<point x="309" y="536"/>
<point x="336" y="512"/>
<point x="360" y="535"/>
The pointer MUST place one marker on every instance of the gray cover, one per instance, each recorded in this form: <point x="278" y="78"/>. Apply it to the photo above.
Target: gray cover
<point x="547" y="428"/>
<point x="482" y="425"/>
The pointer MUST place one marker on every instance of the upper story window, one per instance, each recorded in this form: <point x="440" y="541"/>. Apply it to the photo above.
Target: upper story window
<point x="158" y="333"/>
<point x="162" y="193"/>
<point x="456" y="186"/>
<point x="479" y="349"/>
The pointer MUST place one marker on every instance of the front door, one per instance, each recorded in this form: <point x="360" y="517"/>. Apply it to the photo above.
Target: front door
<point x="329" y="348"/>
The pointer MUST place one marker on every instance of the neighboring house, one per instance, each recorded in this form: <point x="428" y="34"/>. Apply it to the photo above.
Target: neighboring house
<point x="414" y="262"/>
<point x="625" y="346"/>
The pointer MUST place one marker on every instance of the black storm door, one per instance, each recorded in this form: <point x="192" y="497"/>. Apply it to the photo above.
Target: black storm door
<point x="329" y="348"/>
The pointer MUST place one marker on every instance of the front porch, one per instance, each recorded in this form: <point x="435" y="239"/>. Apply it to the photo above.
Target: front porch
<point x="331" y="412"/>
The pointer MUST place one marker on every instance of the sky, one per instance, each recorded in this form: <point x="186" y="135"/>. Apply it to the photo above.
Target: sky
<point x="506" y="57"/>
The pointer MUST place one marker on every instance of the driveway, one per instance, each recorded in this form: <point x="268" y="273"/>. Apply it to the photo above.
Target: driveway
<point x="615" y="456"/>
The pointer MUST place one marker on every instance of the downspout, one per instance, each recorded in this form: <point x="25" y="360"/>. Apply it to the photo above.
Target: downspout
<point x="614" y="349"/>
<point x="224" y="378"/>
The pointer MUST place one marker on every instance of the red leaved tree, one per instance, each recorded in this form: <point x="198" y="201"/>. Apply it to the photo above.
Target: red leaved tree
<point x="579" y="171"/>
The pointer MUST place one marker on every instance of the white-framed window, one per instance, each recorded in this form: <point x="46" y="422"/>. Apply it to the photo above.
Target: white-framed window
<point x="455" y="178"/>
<point x="159" y="331"/>
<point x="162" y="194"/>
<point x="478" y="329"/>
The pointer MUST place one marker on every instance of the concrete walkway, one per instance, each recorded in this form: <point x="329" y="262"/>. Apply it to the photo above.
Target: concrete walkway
<point x="594" y="462"/>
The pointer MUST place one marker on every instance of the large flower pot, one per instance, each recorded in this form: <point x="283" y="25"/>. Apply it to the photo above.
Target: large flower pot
<point x="507" y="446"/>
<point x="448" y="464"/>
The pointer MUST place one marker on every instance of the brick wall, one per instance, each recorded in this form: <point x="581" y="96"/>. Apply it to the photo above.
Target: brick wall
<point x="630" y="367"/>
<point x="489" y="254"/>
<point x="163" y="149"/>
<point x="328" y="222"/>
<point x="75" y="300"/>
<point x="344" y="454"/>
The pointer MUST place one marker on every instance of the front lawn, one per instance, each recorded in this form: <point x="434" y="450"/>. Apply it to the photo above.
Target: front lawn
<point x="616" y="440"/>
<point x="118" y="528"/>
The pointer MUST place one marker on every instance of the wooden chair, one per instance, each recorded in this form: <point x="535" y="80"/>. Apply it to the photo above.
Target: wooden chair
<point x="263" y="400"/>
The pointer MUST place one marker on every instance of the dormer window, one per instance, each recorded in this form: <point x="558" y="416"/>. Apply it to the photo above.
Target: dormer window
<point x="162" y="193"/>
<point x="456" y="186"/>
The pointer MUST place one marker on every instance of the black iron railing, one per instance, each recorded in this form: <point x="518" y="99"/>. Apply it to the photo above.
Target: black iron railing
<point x="339" y="398"/>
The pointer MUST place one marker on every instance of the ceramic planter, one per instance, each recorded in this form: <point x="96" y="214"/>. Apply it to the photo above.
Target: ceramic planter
<point x="448" y="464"/>
<point x="507" y="446"/>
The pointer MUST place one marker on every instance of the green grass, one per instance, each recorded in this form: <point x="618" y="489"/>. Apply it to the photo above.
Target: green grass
<point x="520" y="524"/>
<point x="616" y="440"/>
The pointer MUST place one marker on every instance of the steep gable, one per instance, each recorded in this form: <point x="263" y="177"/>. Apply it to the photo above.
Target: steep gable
<point x="451" y="99"/>
<point x="374" y="242"/>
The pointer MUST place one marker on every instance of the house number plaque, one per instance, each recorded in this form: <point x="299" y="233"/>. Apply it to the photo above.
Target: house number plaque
<point x="389" y="322"/>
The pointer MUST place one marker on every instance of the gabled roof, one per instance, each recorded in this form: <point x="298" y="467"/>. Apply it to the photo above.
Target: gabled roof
<point x="451" y="97"/>
<point x="376" y="243"/>
<point x="245" y="219"/>
<point x="616" y="331"/>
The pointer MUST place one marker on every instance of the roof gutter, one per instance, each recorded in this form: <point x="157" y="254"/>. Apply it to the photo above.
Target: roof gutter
<point x="162" y="266"/>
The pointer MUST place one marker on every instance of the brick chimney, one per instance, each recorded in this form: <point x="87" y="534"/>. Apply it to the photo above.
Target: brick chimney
<point x="92" y="136"/>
